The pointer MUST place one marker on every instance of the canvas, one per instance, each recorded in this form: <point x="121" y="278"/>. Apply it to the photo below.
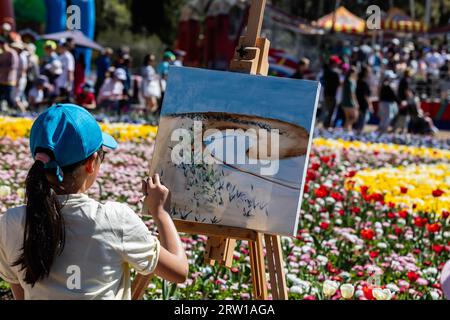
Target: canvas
<point x="233" y="148"/>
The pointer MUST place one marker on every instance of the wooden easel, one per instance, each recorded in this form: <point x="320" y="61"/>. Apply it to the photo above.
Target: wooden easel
<point x="251" y="57"/>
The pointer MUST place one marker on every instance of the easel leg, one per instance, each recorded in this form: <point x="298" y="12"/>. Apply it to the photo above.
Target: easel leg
<point x="258" y="269"/>
<point x="276" y="267"/>
<point x="220" y="249"/>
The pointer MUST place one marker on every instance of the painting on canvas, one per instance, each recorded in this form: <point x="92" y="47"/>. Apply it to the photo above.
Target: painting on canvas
<point x="233" y="148"/>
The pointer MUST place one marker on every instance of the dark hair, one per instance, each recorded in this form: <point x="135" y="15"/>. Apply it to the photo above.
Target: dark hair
<point x="44" y="234"/>
<point x="363" y="73"/>
<point x="148" y="58"/>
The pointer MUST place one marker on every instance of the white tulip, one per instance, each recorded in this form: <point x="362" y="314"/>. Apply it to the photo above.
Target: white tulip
<point x="5" y="191"/>
<point x="347" y="290"/>
<point x="330" y="288"/>
<point x="382" y="245"/>
<point x="434" y="295"/>
<point x="296" y="289"/>
<point x="382" y="294"/>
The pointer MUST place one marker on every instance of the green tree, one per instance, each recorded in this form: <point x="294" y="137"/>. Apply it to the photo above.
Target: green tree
<point x="112" y="14"/>
<point x="157" y="17"/>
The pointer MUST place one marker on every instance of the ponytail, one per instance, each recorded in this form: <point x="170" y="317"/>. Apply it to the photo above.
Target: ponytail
<point x="44" y="235"/>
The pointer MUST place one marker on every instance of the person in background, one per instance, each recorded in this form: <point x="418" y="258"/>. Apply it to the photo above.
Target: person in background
<point x="163" y="67"/>
<point x="49" y="53"/>
<point x="124" y="63"/>
<point x="363" y="96"/>
<point x="402" y="118"/>
<point x="404" y="85"/>
<point x="33" y="66"/>
<point x="39" y="92"/>
<point x="151" y="86"/>
<point x="302" y="69"/>
<point x="71" y="45"/>
<point x="388" y="102"/>
<point x="179" y="58"/>
<point x="112" y="92"/>
<point x="331" y="82"/>
<point x="9" y="64"/>
<point x="53" y="71"/>
<point x="86" y="97"/>
<point x="79" y="74"/>
<point x="65" y="81"/>
<point x="349" y="101"/>
<point x="22" y="69"/>
<point x="5" y="30"/>
<point x="103" y="63"/>
<point x="420" y="123"/>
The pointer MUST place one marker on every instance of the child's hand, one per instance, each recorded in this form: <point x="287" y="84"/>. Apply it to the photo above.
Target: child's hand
<point x="156" y="195"/>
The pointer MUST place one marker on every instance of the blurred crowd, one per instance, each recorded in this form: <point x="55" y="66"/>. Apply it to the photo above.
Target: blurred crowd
<point x="29" y="82"/>
<point x="387" y="82"/>
<point x="360" y="81"/>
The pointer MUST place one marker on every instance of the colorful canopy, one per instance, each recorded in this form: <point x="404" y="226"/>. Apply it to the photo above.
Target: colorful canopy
<point x="398" y="20"/>
<point x="344" y="21"/>
<point x="79" y="38"/>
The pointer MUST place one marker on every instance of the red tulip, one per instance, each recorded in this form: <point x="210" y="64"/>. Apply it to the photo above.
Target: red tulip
<point x="398" y="230"/>
<point x="412" y="276"/>
<point x="350" y="174"/>
<point x="324" y="225"/>
<point x="325" y="159"/>
<point x="445" y="214"/>
<point x="315" y="166"/>
<point x="368" y="293"/>
<point x="364" y="189"/>
<point x="403" y="190"/>
<point x="356" y="210"/>
<point x="391" y="215"/>
<point x="337" y="196"/>
<point x="437" y="248"/>
<point x="306" y="188"/>
<point x="437" y="193"/>
<point x="373" y="254"/>
<point x="367" y="234"/>
<point x="322" y="192"/>
<point x="420" y="222"/>
<point x="403" y="214"/>
<point x="434" y="227"/>
<point x="377" y="197"/>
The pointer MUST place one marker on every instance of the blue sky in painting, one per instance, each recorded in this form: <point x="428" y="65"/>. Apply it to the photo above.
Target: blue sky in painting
<point x="199" y="90"/>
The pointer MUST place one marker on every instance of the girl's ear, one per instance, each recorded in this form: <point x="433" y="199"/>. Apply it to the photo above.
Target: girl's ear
<point x="90" y="163"/>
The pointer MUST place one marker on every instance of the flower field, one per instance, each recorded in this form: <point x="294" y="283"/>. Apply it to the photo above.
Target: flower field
<point x="374" y="220"/>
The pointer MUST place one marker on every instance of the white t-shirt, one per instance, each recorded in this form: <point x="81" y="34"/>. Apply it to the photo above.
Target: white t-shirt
<point x="68" y="65"/>
<point x="36" y="94"/>
<point x="111" y="90"/>
<point x="102" y="242"/>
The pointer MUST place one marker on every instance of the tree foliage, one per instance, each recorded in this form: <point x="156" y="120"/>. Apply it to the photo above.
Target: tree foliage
<point x="112" y="15"/>
<point x="157" y="17"/>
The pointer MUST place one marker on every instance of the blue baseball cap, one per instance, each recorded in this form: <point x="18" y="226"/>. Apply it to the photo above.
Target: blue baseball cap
<point x="71" y="133"/>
